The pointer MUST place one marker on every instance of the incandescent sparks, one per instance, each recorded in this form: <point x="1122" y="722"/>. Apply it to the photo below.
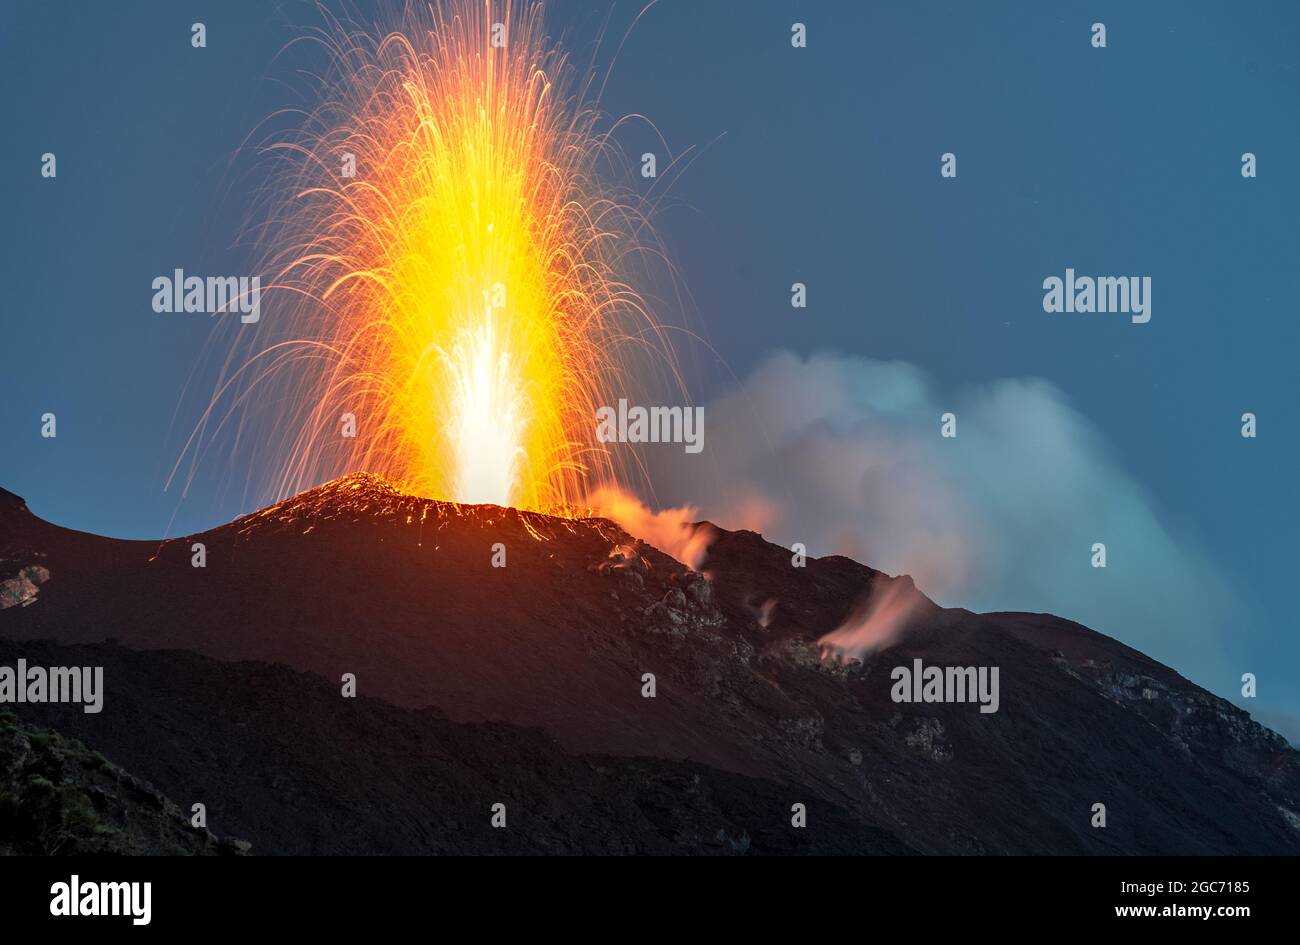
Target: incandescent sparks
<point x="463" y="296"/>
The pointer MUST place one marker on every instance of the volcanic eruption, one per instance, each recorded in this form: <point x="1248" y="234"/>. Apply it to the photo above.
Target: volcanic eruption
<point x="450" y="259"/>
<point x="426" y="629"/>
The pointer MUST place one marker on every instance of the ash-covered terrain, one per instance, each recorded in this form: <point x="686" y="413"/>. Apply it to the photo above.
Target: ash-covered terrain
<point x="524" y="686"/>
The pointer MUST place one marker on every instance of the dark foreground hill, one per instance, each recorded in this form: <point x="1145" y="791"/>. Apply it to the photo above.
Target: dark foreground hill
<point x="58" y="797"/>
<point x="524" y="685"/>
<point x="278" y="757"/>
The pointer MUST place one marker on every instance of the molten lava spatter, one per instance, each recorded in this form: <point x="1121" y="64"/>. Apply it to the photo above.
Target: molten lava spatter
<point x="450" y="309"/>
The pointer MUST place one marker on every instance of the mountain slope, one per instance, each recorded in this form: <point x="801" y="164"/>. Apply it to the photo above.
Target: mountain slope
<point x="278" y="757"/>
<point x="354" y="577"/>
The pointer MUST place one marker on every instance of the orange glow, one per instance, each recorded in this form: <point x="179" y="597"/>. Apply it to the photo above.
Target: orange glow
<point x="676" y="532"/>
<point x="463" y="296"/>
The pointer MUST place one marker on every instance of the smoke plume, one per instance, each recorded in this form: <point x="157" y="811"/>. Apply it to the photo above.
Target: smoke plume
<point x="673" y="531"/>
<point x="845" y="455"/>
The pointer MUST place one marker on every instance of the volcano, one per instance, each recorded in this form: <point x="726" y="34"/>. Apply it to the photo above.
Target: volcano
<point x="595" y="695"/>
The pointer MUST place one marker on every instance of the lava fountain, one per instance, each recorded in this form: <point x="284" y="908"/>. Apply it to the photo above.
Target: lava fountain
<point x="448" y="268"/>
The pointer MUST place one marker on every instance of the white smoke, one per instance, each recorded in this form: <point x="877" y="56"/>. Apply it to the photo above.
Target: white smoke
<point x="845" y="455"/>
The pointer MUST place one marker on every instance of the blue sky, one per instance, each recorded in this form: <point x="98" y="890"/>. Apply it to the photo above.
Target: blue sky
<point x="817" y="165"/>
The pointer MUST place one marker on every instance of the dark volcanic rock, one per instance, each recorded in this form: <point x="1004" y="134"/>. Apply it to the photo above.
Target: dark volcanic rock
<point x="539" y="669"/>
<point x="59" y="797"/>
<point x="280" y="758"/>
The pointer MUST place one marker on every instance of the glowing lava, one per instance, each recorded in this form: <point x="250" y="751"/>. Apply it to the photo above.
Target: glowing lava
<point x="488" y="416"/>
<point x="460" y="296"/>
